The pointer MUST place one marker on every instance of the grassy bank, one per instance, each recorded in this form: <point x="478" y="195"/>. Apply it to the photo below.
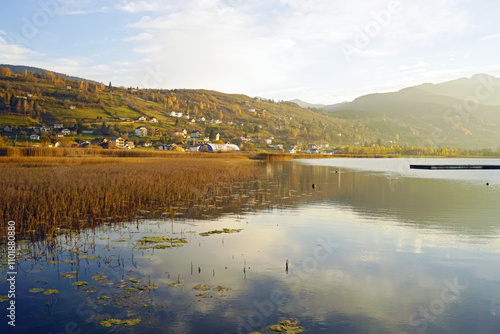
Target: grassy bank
<point x="42" y="194"/>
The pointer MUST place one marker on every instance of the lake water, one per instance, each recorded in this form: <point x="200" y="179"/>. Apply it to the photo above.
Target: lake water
<point x="374" y="247"/>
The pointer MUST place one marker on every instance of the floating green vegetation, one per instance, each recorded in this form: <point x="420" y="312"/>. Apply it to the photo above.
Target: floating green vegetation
<point x="38" y="270"/>
<point x="80" y="283"/>
<point x="68" y="261"/>
<point x="25" y="250"/>
<point x="49" y="255"/>
<point x="4" y="298"/>
<point x="54" y="262"/>
<point x="158" y="247"/>
<point x="99" y="277"/>
<point x="103" y="298"/>
<point x="51" y="291"/>
<point x="119" y="240"/>
<point x="202" y="287"/>
<point x="225" y="230"/>
<point x="133" y="280"/>
<point x="109" y="248"/>
<point x="104" y="238"/>
<point x="111" y="322"/>
<point x="89" y="257"/>
<point x="69" y="275"/>
<point x="287" y="325"/>
<point x="36" y="290"/>
<point x="221" y="288"/>
<point x="89" y="244"/>
<point x="158" y="240"/>
<point x="181" y="283"/>
<point x="77" y="251"/>
<point x="128" y="322"/>
<point x="131" y="322"/>
<point x="151" y="287"/>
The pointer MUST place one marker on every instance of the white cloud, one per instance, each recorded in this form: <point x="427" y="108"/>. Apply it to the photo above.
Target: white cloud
<point x="10" y="53"/>
<point x="494" y="36"/>
<point x="67" y="11"/>
<point x="412" y="67"/>
<point x="142" y="6"/>
<point x="145" y="36"/>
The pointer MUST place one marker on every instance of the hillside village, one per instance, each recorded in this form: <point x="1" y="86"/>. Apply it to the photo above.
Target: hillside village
<point x="47" y="110"/>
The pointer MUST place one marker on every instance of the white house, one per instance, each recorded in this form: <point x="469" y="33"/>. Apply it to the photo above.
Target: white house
<point x="141" y="131"/>
<point x="35" y="137"/>
<point x="142" y="119"/>
<point x="45" y="129"/>
<point x="154" y="120"/>
<point x="58" y="125"/>
<point x="201" y="119"/>
<point x="195" y="134"/>
<point x="66" y="132"/>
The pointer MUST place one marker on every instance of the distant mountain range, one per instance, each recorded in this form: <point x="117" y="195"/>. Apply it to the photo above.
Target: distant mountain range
<point x="460" y="113"/>
<point x="308" y="105"/>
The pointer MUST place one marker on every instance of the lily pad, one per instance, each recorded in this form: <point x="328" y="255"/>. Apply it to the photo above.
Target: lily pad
<point x="103" y="297"/>
<point x="108" y="248"/>
<point x="221" y="288"/>
<point x="111" y="322"/>
<point x="119" y="240"/>
<point x="89" y="257"/>
<point x="131" y="322"/>
<point x="225" y="230"/>
<point x="51" y="291"/>
<point x="288" y="326"/>
<point x="77" y="251"/>
<point x="4" y="298"/>
<point x="99" y="277"/>
<point x="80" y="283"/>
<point x="202" y="287"/>
<point x="36" y="290"/>
<point x="181" y="283"/>
<point x="69" y="261"/>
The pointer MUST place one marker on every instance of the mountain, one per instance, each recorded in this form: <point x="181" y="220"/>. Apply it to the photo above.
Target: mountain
<point x="20" y="69"/>
<point x="464" y="113"/>
<point x="308" y="105"/>
<point x="459" y="113"/>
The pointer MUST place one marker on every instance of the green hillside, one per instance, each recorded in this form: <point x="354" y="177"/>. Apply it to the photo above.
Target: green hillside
<point x="416" y="116"/>
<point x="35" y="99"/>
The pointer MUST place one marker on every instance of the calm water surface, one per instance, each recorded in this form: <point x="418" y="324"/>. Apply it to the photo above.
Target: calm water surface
<point x="374" y="248"/>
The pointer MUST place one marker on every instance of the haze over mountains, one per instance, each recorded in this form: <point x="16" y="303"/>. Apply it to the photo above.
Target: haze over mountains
<point x="459" y="113"/>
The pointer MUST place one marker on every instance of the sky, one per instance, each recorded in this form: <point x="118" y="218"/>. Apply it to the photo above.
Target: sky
<point x="319" y="51"/>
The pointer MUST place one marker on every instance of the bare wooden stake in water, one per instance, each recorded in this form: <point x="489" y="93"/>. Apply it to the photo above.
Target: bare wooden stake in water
<point x="287" y="266"/>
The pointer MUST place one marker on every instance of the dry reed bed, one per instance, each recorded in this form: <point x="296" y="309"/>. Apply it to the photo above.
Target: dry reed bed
<point x="42" y="194"/>
<point x="116" y="153"/>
